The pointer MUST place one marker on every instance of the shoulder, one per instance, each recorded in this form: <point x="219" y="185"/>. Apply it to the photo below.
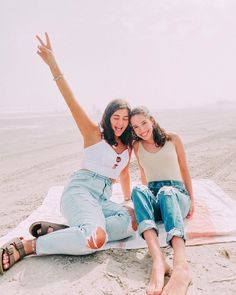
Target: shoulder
<point x="94" y="137"/>
<point x="135" y="147"/>
<point x="174" y="137"/>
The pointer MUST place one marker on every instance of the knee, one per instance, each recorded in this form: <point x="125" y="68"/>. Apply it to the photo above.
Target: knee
<point x="97" y="239"/>
<point x="166" y="191"/>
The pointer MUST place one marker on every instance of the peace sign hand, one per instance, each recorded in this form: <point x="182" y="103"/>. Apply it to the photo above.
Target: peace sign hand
<point x="45" y="50"/>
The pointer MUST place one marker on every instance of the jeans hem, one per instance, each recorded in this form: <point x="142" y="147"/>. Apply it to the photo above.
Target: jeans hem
<point x="175" y="232"/>
<point x="146" y="225"/>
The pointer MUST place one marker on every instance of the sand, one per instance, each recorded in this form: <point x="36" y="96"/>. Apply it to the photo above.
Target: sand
<point x="38" y="151"/>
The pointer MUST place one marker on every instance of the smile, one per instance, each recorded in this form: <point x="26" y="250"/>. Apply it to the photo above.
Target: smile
<point x="144" y="134"/>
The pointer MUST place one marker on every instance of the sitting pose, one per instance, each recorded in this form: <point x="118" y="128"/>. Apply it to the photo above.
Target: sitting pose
<point x="168" y="197"/>
<point x="92" y="218"/>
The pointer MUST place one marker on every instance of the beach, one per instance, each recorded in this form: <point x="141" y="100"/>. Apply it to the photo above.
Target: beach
<point x="41" y="150"/>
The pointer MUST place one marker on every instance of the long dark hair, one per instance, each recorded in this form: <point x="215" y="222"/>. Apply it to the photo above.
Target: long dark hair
<point x="159" y="134"/>
<point x="107" y="132"/>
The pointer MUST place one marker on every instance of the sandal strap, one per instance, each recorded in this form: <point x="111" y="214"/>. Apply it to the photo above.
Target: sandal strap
<point x="10" y="252"/>
<point x="19" y="247"/>
<point x="44" y="229"/>
<point x="8" y="248"/>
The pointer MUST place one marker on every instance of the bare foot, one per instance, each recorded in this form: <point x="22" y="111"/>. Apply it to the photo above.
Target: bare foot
<point x="159" y="269"/>
<point x="50" y="230"/>
<point x="179" y="281"/>
<point x="29" y="247"/>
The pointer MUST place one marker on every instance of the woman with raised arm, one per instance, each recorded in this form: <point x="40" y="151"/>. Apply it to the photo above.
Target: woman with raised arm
<point x="166" y="194"/>
<point x="92" y="218"/>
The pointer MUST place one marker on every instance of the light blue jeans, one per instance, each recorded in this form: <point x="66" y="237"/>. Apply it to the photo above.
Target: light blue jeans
<point x="166" y="201"/>
<point x="86" y="206"/>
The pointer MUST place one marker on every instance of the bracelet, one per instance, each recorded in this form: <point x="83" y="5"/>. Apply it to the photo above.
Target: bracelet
<point x="58" y="77"/>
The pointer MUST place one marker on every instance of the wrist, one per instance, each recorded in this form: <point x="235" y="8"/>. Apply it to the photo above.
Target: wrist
<point x="58" y="77"/>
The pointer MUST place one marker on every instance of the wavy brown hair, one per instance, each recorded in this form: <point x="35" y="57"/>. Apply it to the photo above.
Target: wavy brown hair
<point x="107" y="132"/>
<point x="159" y="134"/>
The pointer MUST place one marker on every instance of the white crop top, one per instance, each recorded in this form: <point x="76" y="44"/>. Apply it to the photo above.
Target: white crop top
<point x="101" y="158"/>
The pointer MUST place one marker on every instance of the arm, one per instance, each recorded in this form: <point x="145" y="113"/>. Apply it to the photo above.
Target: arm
<point x="87" y="127"/>
<point x="184" y="169"/>
<point x="125" y="180"/>
<point x="125" y="183"/>
<point x="142" y="174"/>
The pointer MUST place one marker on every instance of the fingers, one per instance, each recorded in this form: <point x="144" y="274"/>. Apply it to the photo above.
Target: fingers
<point x="190" y="214"/>
<point x="40" y="41"/>
<point x="43" y="50"/>
<point x="48" y="40"/>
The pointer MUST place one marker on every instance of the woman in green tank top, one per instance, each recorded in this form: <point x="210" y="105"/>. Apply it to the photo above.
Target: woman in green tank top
<point x="165" y="194"/>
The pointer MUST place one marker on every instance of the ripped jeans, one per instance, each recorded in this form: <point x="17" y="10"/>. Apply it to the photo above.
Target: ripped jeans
<point x="166" y="200"/>
<point x="92" y="218"/>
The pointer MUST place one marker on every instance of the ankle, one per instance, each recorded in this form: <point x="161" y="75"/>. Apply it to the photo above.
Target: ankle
<point x="158" y="258"/>
<point x="180" y="263"/>
<point x="182" y="267"/>
<point x="33" y="244"/>
<point x="30" y="246"/>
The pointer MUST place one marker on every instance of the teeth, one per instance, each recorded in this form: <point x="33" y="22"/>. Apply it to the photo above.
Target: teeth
<point x="144" y="134"/>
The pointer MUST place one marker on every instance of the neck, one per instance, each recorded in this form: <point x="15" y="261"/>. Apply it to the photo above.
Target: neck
<point x="149" y="141"/>
<point x="117" y="139"/>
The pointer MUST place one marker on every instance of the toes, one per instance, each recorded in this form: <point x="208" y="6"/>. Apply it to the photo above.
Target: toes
<point x="5" y="258"/>
<point x="5" y="261"/>
<point x="50" y="230"/>
<point x="6" y="266"/>
<point x="153" y="291"/>
<point x="39" y="232"/>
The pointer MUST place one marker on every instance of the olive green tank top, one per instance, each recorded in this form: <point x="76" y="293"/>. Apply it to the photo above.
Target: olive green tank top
<point x="160" y="165"/>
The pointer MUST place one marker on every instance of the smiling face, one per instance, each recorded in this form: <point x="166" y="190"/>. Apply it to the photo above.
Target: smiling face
<point x="142" y="126"/>
<point x="119" y="121"/>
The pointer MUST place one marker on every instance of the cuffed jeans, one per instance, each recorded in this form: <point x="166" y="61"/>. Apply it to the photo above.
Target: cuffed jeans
<point x="166" y="200"/>
<point x="86" y="206"/>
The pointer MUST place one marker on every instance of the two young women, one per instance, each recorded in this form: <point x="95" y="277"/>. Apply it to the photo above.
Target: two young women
<point x="93" y="219"/>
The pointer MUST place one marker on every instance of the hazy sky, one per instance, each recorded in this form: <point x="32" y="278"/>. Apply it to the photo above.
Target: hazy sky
<point x="161" y="53"/>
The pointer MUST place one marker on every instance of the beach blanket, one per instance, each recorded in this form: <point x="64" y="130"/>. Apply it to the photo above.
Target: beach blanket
<point x="214" y="220"/>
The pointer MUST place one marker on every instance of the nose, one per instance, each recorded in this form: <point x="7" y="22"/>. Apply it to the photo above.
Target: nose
<point x="141" y="128"/>
<point x="121" y="122"/>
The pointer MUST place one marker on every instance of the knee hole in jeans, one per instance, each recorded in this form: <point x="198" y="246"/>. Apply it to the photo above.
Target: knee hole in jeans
<point x="98" y="239"/>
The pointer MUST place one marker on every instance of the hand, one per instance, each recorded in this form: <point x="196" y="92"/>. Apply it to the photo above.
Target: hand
<point x="45" y="50"/>
<point x="191" y="210"/>
<point x="133" y="219"/>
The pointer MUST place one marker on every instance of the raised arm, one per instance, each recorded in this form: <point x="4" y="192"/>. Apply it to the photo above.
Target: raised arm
<point x="87" y="127"/>
<point x="184" y="169"/>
